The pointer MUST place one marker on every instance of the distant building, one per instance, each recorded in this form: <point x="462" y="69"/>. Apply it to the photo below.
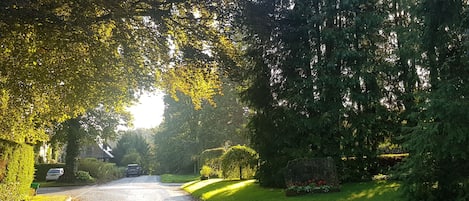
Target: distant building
<point x="99" y="150"/>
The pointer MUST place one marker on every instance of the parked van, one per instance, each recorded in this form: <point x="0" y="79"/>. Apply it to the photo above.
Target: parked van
<point x="54" y="173"/>
<point x="133" y="170"/>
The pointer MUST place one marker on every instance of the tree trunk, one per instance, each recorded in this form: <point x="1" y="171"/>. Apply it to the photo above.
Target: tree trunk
<point x="72" y="150"/>
<point x="240" y="172"/>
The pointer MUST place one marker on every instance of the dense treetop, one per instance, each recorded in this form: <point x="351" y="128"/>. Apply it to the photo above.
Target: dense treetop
<point x="61" y="58"/>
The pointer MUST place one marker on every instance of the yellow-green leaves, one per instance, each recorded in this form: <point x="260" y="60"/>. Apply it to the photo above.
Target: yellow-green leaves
<point x="103" y="30"/>
<point x="198" y="83"/>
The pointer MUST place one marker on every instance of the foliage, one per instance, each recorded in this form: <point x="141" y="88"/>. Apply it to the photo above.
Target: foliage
<point x="437" y="166"/>
<point x="99" y="123"/>
<point x="133" y="147"/>
<point x="60" y="59"/>
<point x="212" y="159"/>
<point x="354" y="169"/>
<point x="99" y="170"/>
<point x="316" y="77"/>
<point x="220" y="190"/>
<point x="132" y="157"/>
<point x="16" y="170"/>
<point x="71" y="71"/>
<point x="239" y="161"/>
<point x="186" y="132"/>
<point x="102" y="52"/>
<point x="83" y="176"/>
<point x="205" y="172"/>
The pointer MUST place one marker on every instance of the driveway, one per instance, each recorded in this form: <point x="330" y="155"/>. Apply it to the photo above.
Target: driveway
<point x="142" y="188"/>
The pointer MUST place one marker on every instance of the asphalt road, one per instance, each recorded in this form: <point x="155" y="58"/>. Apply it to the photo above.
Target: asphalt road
<point x="143" y="188"/>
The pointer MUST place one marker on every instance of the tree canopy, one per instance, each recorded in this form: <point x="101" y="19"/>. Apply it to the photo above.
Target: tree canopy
<point x="337" y="78"/>
<point x="133" y="147"/>
<point x="61" y="58"/>
<point x="186" y="132"/>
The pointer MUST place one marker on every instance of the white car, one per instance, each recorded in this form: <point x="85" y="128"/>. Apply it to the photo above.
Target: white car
<point x="54" y="173"/>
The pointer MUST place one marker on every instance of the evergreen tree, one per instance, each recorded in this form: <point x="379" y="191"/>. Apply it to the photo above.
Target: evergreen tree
<point x="133" y="147"/>
<point x="437" y="168"/>
<point x="314" y="80"/>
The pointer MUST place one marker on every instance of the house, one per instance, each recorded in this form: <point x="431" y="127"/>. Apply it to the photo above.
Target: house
<point x="99" y="150"/>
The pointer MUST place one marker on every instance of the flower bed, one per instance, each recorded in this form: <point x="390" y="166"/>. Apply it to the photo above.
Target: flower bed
<point x="310" y="186"/>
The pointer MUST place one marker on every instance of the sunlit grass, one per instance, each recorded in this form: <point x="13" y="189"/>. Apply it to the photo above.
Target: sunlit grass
<point x="172" y="178"/>
<point x="249" y="190"/>
<point x="49" y="198"/>
<point x="377" y="190"/>
<point x="196" y="185"/>
<point x="228" y="190"/>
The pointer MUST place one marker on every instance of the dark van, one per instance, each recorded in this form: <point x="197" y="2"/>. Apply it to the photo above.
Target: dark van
<point x="133" y="170"/>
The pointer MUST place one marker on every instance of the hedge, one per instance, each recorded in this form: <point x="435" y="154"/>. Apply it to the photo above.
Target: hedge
<point x="16" y="170"/>
<point x="41" y="170"/>
<point x="355" y="169"/>
<point x="101" y="171"/>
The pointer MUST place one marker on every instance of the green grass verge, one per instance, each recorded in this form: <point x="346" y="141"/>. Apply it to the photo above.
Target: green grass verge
<point x="49" y="198"/>
<point x="249" y="190"/>
<point x="57" y="184"/>
<point x="172" y="178"/>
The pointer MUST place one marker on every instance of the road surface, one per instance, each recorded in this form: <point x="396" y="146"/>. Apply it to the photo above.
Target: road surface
<point x="142" y="188"/>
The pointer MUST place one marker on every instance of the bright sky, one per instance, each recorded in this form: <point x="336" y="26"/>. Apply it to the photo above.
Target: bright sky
<point x="149" y="112"/>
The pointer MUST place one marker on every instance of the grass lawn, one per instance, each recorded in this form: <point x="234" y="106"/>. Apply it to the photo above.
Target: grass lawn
<point x="56" y="184"/>
<point x="172" y="178"/>
<point x="49" y="198"/>
<point x="249" y="190"/>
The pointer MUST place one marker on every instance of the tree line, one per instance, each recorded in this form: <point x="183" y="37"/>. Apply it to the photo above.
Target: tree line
<point x="337" y="78"/>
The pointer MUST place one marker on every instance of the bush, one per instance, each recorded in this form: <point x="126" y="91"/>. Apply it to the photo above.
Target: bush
<point x="356" y="169"/>
<point x="239" y="161"/>
<point x="16" y="170"/>
<point x="212" y="159"/>
<point x="83" y="176"/>
<point x="205" y="172"/>
<point x="99" y="170"/>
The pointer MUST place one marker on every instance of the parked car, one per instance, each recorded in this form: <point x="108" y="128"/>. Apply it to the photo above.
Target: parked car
<point x="54" y="173"/>
<point x="133" y="170"/>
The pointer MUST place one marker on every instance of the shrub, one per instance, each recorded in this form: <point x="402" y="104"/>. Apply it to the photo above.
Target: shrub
<point x="16" y="170"/>
<point x="205" y="172"/>
<point x="239" y="161"/>
<point x="212" y="159"/>
<point x="355" y="169"/>
<point x="83" y="176"/>
<point x="99" y="170"/>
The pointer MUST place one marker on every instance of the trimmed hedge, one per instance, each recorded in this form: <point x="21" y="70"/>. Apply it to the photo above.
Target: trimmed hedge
<point x="363" y="169"/>
<point x="41" y="170"/>
<point x="16" y="170"/>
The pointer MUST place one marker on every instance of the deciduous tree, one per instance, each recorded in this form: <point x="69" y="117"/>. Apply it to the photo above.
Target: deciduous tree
<point x="76" y="132"/>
